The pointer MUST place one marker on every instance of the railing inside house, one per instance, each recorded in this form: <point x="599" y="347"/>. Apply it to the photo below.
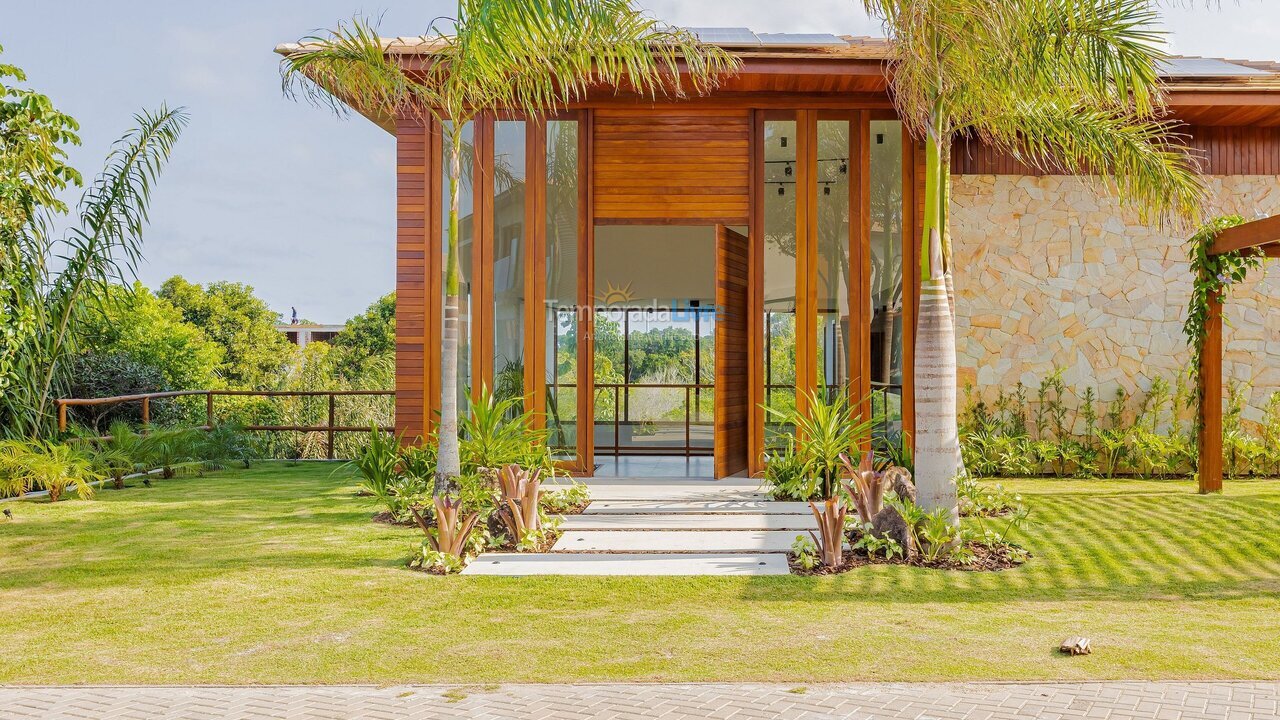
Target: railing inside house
<point x="329" y="408"/>
<point x="692" y="434"/>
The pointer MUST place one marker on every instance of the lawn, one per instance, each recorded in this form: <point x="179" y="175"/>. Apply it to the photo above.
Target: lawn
<point x="277" y="575"/>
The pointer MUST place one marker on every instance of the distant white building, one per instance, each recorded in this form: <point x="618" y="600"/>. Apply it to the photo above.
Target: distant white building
<point x="301" y="334"/>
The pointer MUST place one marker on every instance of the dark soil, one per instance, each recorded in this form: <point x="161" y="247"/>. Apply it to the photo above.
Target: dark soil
<point x="987" y="558"/>
<point x="386" y="518"/>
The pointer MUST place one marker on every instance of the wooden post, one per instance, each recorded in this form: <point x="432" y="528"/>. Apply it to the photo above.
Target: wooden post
<point x="146" y="412"/>
<point x="62" y="416"/>
<point x="332" y="414"/>
<point x="1211" y="399"/>
<point x="208" y="410"/>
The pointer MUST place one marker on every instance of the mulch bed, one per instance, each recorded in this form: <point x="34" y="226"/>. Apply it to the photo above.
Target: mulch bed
<point x="986" y="559"/>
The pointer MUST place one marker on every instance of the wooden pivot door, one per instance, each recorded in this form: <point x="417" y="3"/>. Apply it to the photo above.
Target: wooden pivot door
<point x="732" y="395"/>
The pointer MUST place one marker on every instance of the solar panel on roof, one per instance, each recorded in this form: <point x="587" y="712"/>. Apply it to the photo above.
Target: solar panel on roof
<point x="800" y="39"/>
<point x="725" y="35"/>
<point x="1205" y="67"/>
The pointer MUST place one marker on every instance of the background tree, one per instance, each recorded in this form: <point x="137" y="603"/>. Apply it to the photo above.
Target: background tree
<point x="150" y="331"/>
<point x="367" y="339"/>
<point x="534" y="57"/>
<point x="255" y="354"/>
<point x="1068" y="86"/>
<point x="33" y="170"/>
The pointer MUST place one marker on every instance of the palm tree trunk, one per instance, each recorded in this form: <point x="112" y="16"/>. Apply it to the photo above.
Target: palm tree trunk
<point x="937" y="437"/>
<point x="944" y="212"/>
<point x="449" y="461"/>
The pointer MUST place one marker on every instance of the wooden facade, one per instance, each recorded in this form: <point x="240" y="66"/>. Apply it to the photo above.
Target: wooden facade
<point x="701" y="162"/>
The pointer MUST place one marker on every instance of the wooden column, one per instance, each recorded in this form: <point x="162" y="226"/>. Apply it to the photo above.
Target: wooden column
<point x="806" y="256"/>
<point x="859" y="279"/>
<point x="586" y="294"/>
<point x="413" y="217"/>
<point x="481" y="296"/>
<point x="1211" y="400"/>
<point x="755" y="335"/>
<point x="535" y="271"/>
<point x="912" y="222"/>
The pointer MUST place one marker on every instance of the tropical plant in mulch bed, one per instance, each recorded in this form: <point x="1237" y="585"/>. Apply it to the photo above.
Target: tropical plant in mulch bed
<point x="224" y="444"/>
<point x="501" y="500"/>
<point x="826" y="429"/>
<point x="903" y="532"/>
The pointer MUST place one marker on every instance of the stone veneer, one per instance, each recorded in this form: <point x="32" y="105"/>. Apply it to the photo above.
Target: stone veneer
<point x="1051" y="274"/>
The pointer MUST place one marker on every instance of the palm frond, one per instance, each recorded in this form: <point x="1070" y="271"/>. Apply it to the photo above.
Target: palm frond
<point x="1139" y="159"/>
<point x="349" y="69"/>
<point x="103" y="249"/>
<point x="1107" y="50"/>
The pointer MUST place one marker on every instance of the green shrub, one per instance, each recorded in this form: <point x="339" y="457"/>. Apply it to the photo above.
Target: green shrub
<point x="786" y="476"/>
<point x="41" y="465"/>
<point x="224" y="444"/>
<point x="166" y="449"/>
<point x="378" y="467"/>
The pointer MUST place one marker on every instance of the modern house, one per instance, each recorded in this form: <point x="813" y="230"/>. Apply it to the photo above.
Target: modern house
<point x="768" y="232"/>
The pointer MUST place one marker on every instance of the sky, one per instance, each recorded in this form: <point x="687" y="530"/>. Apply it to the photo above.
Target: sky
<point x="294" y="201"/>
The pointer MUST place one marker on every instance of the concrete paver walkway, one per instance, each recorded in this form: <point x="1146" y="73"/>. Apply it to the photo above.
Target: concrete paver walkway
<point x="980" y="701"/>
<point x="666" y="526"/>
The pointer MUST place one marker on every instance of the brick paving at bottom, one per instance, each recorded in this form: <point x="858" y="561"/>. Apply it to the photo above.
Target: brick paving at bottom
<point x="968" y="701"/>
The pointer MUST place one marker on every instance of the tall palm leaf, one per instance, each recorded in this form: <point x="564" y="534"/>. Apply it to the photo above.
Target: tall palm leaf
<point x="533" y="57"/>
<point x="104" y="248"/>
<point x="1063" y="85"/>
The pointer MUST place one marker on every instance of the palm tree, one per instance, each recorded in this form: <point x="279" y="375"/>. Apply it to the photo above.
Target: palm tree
<point x="1061" y="85"/>
<point x="533" y="57"/>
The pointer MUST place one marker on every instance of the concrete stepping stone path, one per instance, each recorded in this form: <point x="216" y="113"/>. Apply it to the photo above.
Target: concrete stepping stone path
<point x="666" y="526"/>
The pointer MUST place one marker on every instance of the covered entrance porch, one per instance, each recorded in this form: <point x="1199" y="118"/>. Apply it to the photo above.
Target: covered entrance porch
<point x="649" y="277"/>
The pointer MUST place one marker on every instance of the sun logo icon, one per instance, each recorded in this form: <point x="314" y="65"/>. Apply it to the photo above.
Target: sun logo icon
<point x="614" y="295"/>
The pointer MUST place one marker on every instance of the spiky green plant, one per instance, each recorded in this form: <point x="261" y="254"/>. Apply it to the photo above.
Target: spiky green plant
<point x="166" y="449"/>
<point x="118" y="454"/>
<point x="55" y="467"/>
<point x="533" y="57"/>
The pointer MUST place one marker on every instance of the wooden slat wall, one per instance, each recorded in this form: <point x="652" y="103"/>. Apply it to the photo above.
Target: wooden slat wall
<point x="1222" y="150"/>
<point x="682" y="167"/>
<point x="732" y="391"/>
<point x="413" y="193"/>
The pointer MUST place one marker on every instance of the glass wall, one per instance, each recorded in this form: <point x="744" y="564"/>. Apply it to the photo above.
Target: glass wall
<point x="886" y="270"/>
<point x="562" y="286"/>
<point x="466" y="233"/>
<point x="780" y="174"/>
<point x="508" y="258"/>
<point x="832" y="177"/>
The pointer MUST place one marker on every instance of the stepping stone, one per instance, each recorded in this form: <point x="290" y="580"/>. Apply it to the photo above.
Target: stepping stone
<point x="654" y="507"/>
<point x="676" y="541"/>
<point x="517" y="564"/>
<point x="688" y="521"/>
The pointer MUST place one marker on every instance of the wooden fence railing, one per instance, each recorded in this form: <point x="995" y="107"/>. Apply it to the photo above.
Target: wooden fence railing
<point x="331" y="428"/>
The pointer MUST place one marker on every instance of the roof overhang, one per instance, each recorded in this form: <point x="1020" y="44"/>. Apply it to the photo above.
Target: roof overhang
<point x="849" y="71"/>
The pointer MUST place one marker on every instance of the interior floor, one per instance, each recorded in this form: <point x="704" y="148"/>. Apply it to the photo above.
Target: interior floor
<point x="649" y="466"/>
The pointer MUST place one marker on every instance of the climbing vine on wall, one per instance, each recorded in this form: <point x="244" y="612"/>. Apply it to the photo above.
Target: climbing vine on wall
<point x="1212" y="274"/>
